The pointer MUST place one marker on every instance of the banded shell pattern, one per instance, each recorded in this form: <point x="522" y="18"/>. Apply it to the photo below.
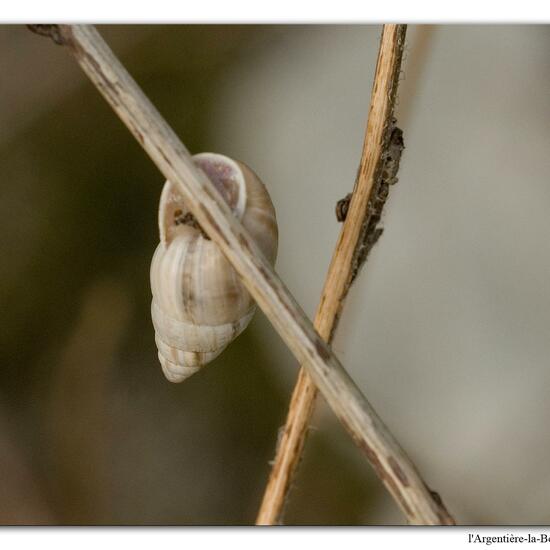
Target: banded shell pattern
<point x="199" y="303"/>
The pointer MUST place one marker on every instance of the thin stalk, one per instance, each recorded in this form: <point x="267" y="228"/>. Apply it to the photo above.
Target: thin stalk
<point x="358" y="233"/>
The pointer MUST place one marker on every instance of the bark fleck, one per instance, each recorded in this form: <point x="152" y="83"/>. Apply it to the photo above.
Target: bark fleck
<point x="386" y="177"/>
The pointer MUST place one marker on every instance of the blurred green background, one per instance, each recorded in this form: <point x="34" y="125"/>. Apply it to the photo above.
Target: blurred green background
<point x="447" y="326"/>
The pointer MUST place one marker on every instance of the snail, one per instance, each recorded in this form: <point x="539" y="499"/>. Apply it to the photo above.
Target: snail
<point x="199" y="302"/>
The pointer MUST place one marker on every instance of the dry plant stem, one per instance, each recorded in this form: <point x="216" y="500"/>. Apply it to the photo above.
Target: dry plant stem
<point x="213" y="214"/>
<point x="343" y="268"/>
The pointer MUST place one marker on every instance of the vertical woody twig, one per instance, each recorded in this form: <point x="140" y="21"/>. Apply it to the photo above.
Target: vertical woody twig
<point x="377" y="170"/>
<point x="172" y="158"/>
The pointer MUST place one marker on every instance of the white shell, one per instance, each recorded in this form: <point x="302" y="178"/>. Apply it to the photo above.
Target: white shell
<point x="199" y="303"/>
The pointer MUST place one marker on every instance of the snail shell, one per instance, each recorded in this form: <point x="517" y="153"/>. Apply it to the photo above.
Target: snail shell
<point x="199" y="303"/>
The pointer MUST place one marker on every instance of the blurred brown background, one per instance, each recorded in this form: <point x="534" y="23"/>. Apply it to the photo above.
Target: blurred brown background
<point x="447" y="329"/>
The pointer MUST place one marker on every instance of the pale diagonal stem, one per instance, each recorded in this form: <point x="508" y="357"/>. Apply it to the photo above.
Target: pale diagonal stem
<point x="172" y="158"/>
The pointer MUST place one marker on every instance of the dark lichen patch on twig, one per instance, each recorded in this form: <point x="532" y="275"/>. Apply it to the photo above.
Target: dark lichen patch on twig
<point x="386" y="177"/>
<point x="52" y="31"/>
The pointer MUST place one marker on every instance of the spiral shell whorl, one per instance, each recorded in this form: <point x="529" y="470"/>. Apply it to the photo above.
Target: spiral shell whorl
<point x="199" y="303"/>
